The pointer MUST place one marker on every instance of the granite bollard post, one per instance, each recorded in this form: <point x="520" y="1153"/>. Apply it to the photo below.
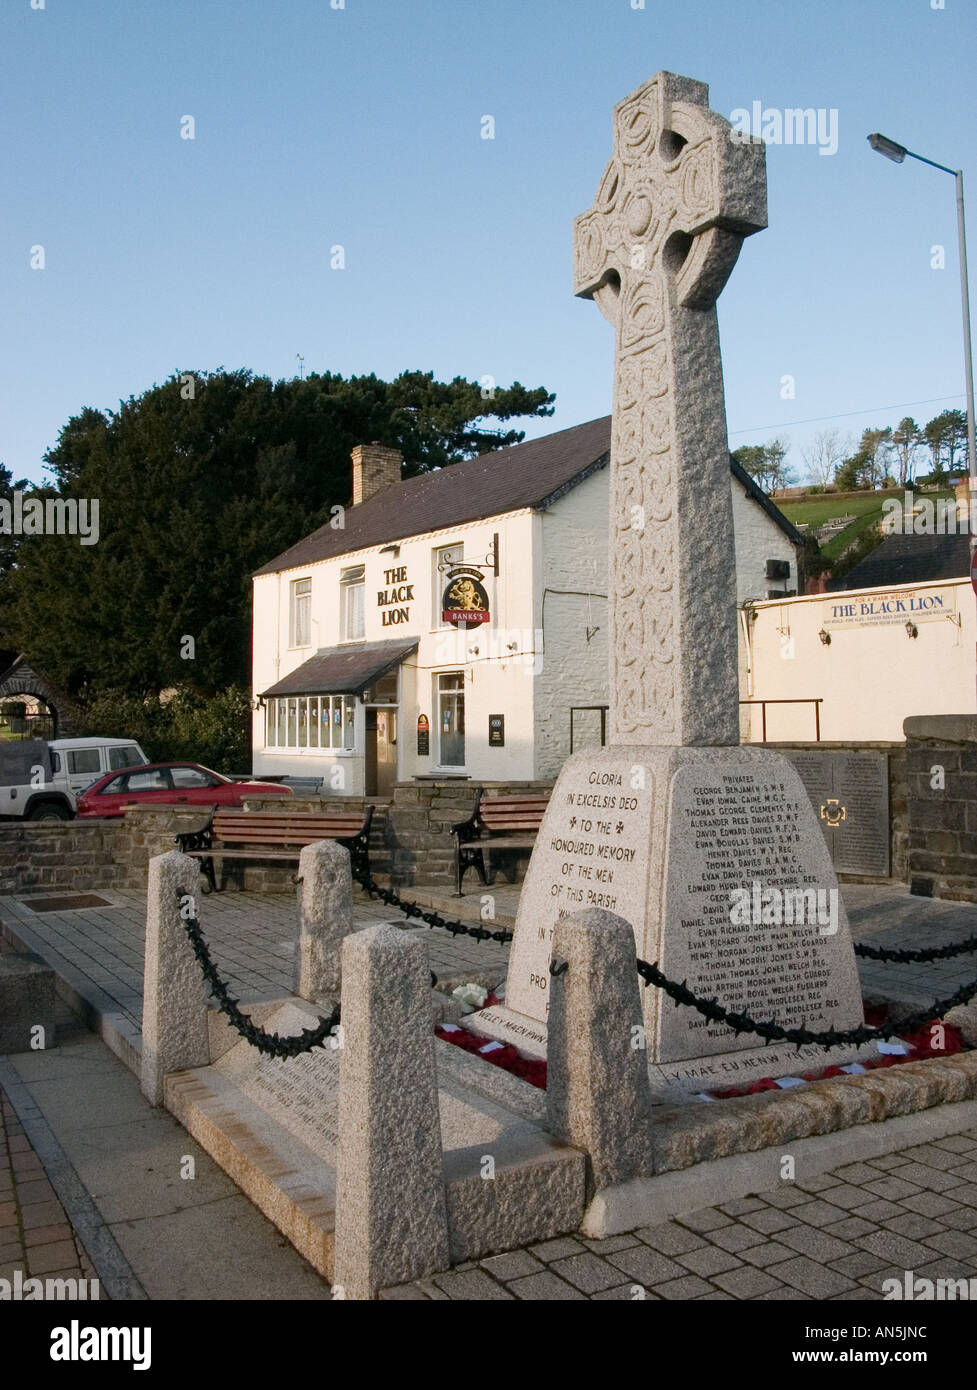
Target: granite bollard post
<point x="174" y="1011"/>
<point x="326" y="917"/>
<point x="391" y="1220"/>
<point x="598" y="1097"/>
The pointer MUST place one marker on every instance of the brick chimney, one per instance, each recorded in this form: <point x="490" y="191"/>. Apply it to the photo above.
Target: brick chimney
<point x="375" y="467"/>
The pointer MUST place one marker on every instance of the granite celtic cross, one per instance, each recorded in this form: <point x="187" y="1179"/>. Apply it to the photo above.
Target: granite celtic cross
<point x="656" y="248"/>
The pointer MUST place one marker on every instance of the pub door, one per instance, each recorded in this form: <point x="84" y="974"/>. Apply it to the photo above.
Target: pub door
<point x="381" y="751"/>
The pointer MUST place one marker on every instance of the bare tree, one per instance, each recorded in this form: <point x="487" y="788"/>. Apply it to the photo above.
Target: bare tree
<point x="826" y="452"/>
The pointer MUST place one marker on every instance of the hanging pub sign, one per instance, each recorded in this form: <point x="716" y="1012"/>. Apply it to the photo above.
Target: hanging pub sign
<point x="465" y="602"/>
<point x="423" y="736"/>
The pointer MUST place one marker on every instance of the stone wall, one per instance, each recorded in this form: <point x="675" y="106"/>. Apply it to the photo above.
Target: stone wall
<point x="942" y="762"/>
<point x="418" y="842"/>
<point x="410" y="841"/>
<point x="60" y="854"/>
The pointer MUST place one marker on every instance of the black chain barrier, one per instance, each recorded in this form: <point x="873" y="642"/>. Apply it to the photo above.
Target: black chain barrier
<point x="709" y="1008"/>
<point x="269" y="1043"/>
<point x="774" y="1032"/>
<point x="909" y="957"/>
<point x="432" y="918"/>
<point x="275" y="1046"/>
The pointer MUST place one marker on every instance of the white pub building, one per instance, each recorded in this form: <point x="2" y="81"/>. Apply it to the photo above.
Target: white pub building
<point x="454" y="625"/>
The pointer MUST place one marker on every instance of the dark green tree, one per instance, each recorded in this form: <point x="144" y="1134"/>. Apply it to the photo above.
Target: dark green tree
<point x="199" y="481"/>
<point x="9" y="543"/>
<point x="906" y="439"/>
<point x="765" y="463"/>
<point x="946" y="438"/>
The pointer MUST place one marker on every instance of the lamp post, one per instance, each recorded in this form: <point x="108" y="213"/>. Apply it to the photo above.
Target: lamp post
<point x="897" y="153"/>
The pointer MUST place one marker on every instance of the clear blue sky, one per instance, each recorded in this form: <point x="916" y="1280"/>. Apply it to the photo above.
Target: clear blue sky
<point x="361" y="126"/>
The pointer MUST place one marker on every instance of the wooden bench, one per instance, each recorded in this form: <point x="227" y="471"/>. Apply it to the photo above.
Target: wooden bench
<point x="497" y="825"/>
<point x="275" y="835"/>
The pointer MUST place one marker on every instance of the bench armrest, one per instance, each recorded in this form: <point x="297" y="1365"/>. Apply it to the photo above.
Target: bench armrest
<point x="471" y="828"/>
<point x="202" y="838"/>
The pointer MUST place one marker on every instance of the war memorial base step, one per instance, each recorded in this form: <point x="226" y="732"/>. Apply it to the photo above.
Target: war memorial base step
<point x="271" y="1125"/>
<point x="675" y="1083"/>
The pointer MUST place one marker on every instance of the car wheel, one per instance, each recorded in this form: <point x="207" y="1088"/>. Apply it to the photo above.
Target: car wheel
<point x="49" y="811"/>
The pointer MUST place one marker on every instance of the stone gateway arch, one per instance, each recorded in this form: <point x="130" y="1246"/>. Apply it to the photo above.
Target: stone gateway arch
<point x="21" y="679"/>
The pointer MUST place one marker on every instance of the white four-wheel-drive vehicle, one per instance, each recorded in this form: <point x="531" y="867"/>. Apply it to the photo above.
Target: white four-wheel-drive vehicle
<point x="41" y="780"/>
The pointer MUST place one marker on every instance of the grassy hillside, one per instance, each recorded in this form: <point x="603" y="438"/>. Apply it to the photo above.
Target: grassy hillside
<point x="866" y="510"/>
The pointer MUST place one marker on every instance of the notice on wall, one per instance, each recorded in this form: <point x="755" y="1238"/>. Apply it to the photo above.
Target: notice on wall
<point x="423" y="736"/>
<point x="850" y="796"/>
<point x="889" y="606"/>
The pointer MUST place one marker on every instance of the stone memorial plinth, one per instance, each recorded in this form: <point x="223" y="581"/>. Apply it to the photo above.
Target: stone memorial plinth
<point x="715" y="858"/>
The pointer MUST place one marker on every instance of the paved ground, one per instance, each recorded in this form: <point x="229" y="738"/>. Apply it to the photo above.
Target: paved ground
<point x="889" y="916"/>
<point x="155" y="1215"/>
<point x="834" y="1237"/>
<point x="36" y="1236"/>
<point x="253" y="937"/>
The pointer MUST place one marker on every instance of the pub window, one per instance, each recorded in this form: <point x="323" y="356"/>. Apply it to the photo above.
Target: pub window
<point x="451" y="718"/>
<point x="442" y="557"/>
<point x="311" y="721"/>
<point x="300" y="613"/>
<point x="352" y="588"/>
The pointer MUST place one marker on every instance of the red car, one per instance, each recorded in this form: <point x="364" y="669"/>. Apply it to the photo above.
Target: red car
<point x="168" y="784"/>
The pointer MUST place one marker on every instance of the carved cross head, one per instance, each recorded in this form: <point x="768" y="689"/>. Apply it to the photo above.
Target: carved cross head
<point x="677" y="198"/>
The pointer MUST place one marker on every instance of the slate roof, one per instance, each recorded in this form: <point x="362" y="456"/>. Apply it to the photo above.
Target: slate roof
<point x="343" y="670"/>
<point x="910" y="560"/>
<point x="534" y="474"/>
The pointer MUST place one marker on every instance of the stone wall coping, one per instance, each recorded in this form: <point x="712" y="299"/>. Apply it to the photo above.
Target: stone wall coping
<point x="943" y="728"/>
<point x="834" y="745"/>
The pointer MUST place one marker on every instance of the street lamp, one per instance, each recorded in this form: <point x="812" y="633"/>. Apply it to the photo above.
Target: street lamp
<point x="897" y="153"/>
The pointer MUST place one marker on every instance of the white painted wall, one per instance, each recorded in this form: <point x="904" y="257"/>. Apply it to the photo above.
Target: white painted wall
<point x="499" y="675"/>
<point x="571" y="601"/>
<point x="871" y="676"/>
<point x="758" y="539"/>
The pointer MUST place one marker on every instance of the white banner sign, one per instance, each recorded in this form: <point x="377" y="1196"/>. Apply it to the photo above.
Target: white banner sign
<point x="889" y="606"/>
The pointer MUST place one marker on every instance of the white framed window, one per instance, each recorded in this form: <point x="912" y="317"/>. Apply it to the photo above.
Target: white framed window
<point x="352" y="591"/>
<point x="441" y="558"/>
<point x="450" y="705"/>
<point x="300" y="613"/>
<point x="320" y="722"/>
